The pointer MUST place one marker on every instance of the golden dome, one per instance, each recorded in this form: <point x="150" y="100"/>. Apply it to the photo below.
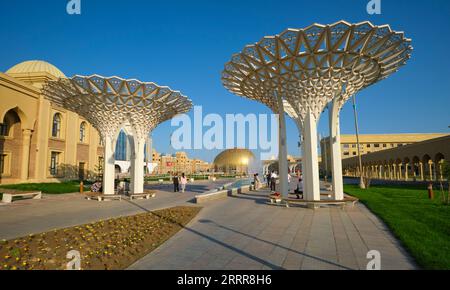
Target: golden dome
<point x="36" y="66"/>
<point x="234" y="158"/>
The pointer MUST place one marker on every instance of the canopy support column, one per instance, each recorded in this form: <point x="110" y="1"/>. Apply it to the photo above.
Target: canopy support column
<point x="335" y="145"/>
<point x="137" y="165"/>
<point x="311" y="162"/>
<point x="109" y="165"/>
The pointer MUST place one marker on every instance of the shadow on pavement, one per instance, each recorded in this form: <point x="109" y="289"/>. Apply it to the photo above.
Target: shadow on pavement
<point x="276" y="245"/>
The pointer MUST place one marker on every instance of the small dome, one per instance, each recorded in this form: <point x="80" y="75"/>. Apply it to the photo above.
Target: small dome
<point x="234" y="160"/>
<point x="36" y="66"/>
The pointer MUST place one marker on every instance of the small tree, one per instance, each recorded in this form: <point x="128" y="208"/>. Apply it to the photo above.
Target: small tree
<point x="98" y="171"/>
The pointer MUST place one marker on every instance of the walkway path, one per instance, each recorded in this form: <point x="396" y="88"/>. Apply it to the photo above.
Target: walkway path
<point x="245" y="233"/>
<point x="26" y="217"/>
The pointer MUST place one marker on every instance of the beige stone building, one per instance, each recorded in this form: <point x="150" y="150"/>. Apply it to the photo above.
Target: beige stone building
<point x="40" y="142"/>
<point x="178" y="163"/>
<point x="419" y="161"/>
<point x="370" y="144"/>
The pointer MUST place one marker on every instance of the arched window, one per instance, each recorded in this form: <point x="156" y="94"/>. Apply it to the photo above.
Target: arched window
<point x="56" y="127"/>
<point x="4" y="129"/>
<point x="11" y="118"/>
<point x="83" y="132"/>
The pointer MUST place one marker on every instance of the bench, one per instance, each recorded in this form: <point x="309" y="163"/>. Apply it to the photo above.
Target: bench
<point x="275" y="199"/>
<point x="318" y="203"/>
<point x="103" y="197"/>
<point x="278" y="199"/>
<point x="9" y="196"/>
<point x="146" y="195"/>
<point x="322" y="194"/>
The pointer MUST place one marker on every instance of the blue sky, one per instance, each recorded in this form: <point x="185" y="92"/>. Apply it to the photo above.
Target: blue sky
<point x="185" y="44"/>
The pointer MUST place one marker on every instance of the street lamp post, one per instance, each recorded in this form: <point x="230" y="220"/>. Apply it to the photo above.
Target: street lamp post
<point x="362" y="185"/>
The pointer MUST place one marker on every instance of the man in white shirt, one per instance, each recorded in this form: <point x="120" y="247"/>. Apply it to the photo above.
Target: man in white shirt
<point x="273" y="181"/>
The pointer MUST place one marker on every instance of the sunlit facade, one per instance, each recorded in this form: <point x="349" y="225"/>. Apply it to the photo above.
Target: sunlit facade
<point x="40" y="141"/>
<point x="178" y="163"/>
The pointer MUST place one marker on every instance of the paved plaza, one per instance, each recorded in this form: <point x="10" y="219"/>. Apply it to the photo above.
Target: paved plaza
<point x="239" y="233"/>
<point x="244" y="233"/>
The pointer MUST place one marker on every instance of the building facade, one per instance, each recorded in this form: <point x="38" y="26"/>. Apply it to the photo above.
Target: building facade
<point x="178" y="163"/>
<point x="421" y="161"/>
<point x="370" y="144"/>
<point x="40" y="142"/>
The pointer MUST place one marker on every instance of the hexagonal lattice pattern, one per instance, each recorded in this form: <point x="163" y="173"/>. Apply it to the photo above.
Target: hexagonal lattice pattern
<point x="312" y="66"/>
<point x="111" y="103"/>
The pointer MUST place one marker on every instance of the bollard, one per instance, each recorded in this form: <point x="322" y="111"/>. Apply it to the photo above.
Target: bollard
<point x="81" y="186"/>
<point x="430" y="191"/>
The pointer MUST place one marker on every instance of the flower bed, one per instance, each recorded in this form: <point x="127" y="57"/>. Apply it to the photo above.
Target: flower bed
<point x="106" y="245"/>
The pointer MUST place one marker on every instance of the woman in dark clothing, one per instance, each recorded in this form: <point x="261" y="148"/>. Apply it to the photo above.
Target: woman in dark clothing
<point x="176" y="183"/>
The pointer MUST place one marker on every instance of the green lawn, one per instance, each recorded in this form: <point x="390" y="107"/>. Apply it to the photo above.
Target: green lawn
<point x="49" y="188"/>
<point x="422" y="225"/>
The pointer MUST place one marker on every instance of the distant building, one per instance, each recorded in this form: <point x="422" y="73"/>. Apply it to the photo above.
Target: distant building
<point x="122" y="147"/>
<point x="178" y="163"/>
<point x="370" y="144"/>
<point x="123" y="155"/>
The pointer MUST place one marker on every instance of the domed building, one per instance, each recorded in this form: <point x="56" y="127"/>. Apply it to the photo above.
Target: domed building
<point x="35" y="67"/>
<point x="234" y="161"/>
<point x="39" y="141"/>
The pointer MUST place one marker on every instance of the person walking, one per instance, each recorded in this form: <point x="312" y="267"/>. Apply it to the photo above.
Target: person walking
<point x="184" y="182"/>
<point x="176" y="183"/>
<point x="299" y="190"/>
<point x="256" y="181"/>
<point x="268" y="177"/>
<point x="273" y="181"/>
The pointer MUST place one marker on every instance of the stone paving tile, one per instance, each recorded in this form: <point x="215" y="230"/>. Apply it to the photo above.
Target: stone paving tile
<point x="344" y="251"/>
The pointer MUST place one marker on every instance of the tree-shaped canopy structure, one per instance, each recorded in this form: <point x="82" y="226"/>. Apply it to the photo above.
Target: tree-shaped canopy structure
<point x="111" y="104"/>
<point x="311" y="67"/>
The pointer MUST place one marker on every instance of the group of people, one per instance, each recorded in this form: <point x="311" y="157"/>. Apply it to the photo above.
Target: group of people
<point x="295" y="184"/>
<point x="179" y="180"/>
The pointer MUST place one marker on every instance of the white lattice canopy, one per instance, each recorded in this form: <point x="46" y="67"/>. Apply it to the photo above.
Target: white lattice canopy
<point x="312" y="66"/>
<point x="109" y="103"/>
